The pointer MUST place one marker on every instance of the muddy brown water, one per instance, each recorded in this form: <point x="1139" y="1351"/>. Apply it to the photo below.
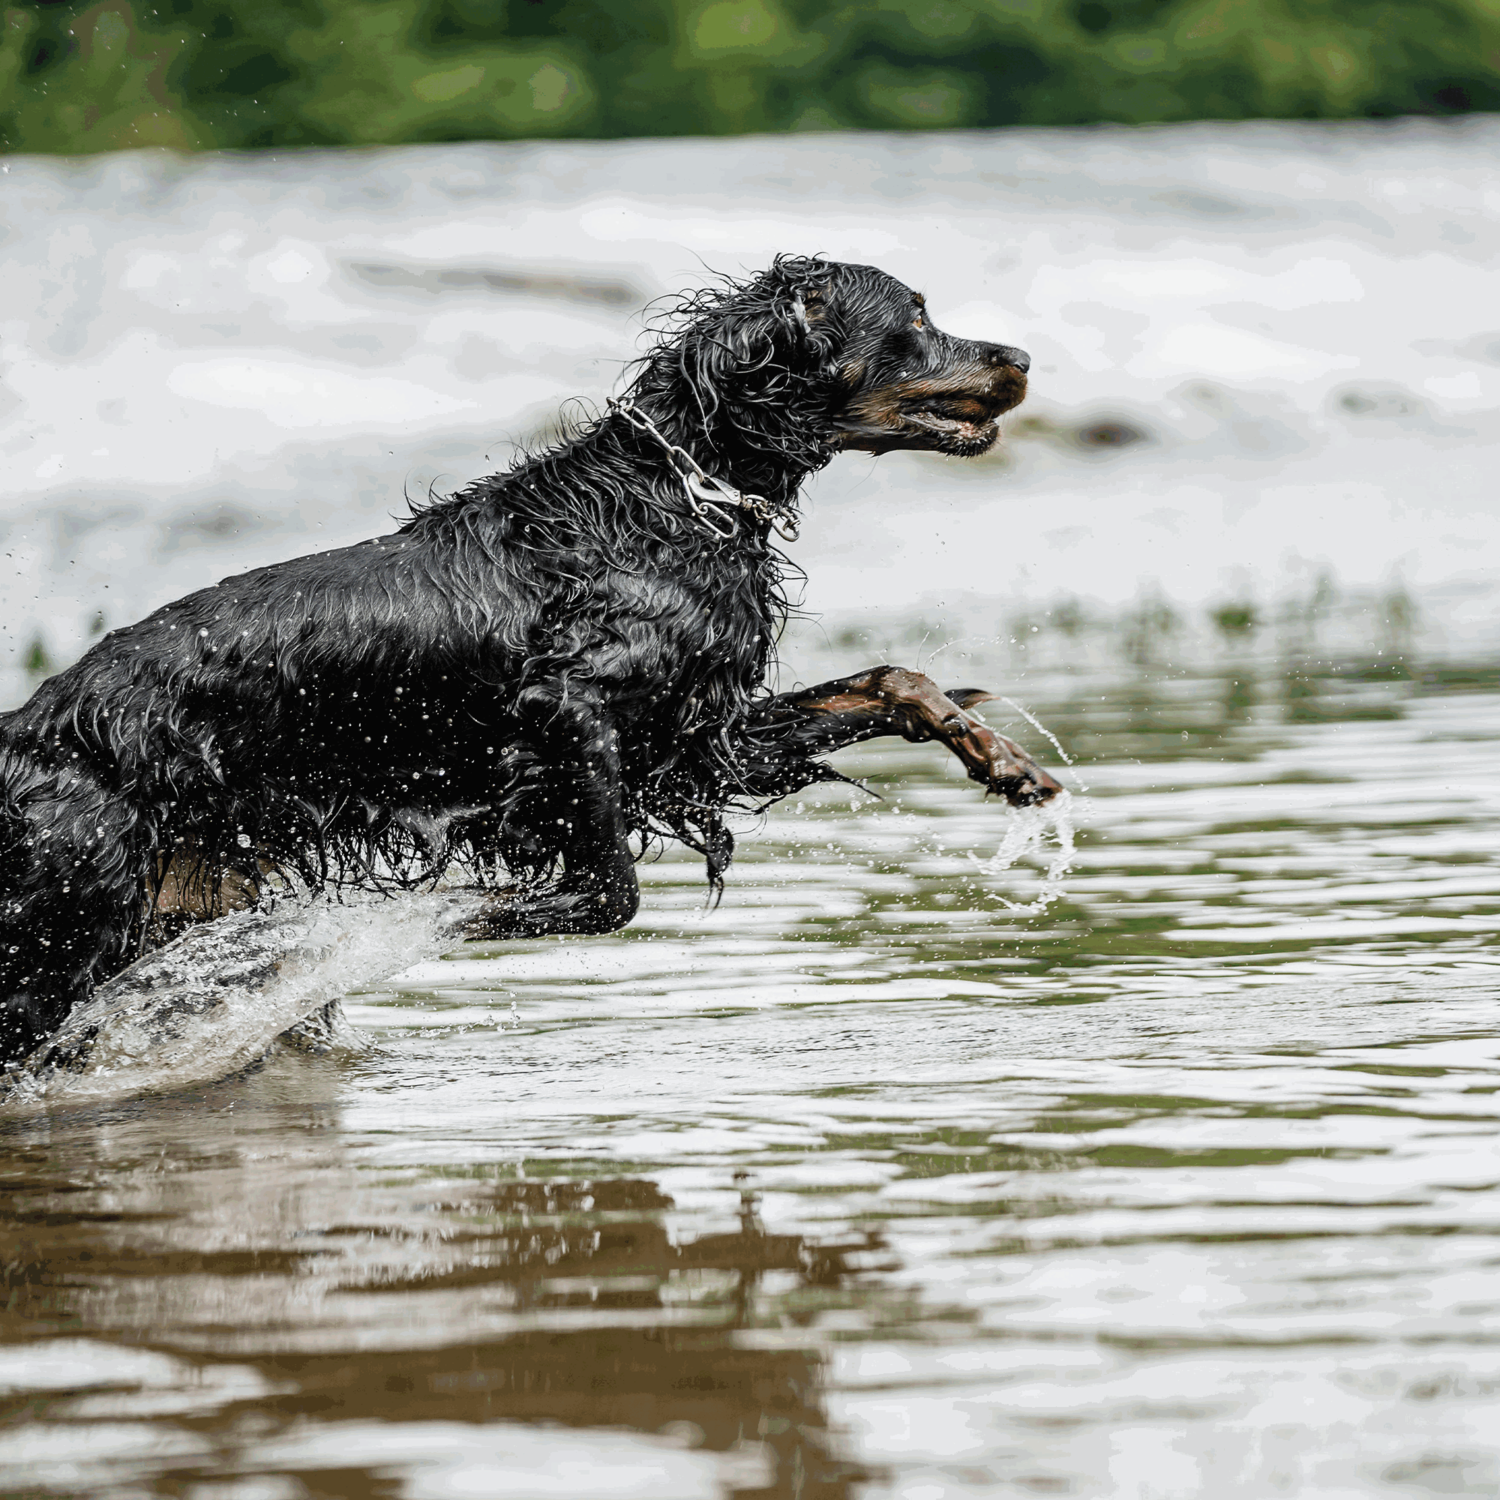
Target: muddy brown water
<point x="862" y="1185"/>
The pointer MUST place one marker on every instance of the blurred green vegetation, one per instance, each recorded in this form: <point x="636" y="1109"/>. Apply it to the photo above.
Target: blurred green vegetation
<point x="257" y="73"/>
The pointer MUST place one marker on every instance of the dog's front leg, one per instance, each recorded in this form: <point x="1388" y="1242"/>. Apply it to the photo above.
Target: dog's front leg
<point x="598" y="890"/>
<point x="889" y="701"/>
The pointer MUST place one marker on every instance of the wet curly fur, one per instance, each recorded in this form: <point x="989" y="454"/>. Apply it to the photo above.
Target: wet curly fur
<point x="532" y="678"/>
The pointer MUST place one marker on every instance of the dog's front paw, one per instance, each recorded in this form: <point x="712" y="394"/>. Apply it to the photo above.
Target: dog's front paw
<point x="996" y="763"/>
<point x="1013" y="774"/>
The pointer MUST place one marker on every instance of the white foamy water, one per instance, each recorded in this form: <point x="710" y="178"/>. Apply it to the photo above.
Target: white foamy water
<point x="214" y="1000"/>
<point x="216" y="362"/>
<point x="1028" y="833"/>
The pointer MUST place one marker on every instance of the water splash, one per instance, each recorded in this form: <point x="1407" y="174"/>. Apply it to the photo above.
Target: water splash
<point x="215" y="1000"/>
<point x="1041" y="728"/>
<point x="1028" y="832"/>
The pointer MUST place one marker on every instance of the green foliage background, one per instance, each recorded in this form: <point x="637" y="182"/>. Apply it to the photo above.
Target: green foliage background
<point x="261" y="73"/>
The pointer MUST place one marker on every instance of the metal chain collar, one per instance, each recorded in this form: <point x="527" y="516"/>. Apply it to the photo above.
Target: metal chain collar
<point x="705" y="493"/>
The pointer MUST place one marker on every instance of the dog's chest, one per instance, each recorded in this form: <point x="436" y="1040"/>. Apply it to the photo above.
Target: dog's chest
<point x="690" y="647"/>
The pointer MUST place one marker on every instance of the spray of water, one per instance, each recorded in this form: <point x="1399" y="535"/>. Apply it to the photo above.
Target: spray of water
<point x="1029" y="832"/>
<point x="1030" y="829"/>
<point x="212" y="1002"/>
<point x="1041" y="728"/>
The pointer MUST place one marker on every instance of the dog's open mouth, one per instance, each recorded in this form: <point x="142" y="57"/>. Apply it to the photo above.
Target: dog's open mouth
<point x="969" y="419"/>
<point x="962" y="422"/>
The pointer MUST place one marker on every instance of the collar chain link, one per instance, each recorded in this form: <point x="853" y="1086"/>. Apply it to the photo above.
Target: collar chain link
<point x="706" y="494"/>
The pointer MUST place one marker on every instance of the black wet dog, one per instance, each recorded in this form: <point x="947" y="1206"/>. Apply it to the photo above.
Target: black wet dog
<point x="532" y="678"/>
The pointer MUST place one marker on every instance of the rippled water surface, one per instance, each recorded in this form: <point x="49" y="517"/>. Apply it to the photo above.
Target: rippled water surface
<point x="864" y="1184"/>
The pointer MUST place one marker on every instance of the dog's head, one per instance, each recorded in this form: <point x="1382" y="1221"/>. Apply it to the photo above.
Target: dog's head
<point x="815" y="356"/>
<point x="901" y="382"/>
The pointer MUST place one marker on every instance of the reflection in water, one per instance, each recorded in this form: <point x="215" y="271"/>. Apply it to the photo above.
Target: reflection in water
<point x="291" y="1306"/>
<point x="863" y="1184"/>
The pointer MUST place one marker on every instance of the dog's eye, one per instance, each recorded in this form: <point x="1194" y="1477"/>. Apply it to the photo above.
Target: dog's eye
<point x="919" y="321"/>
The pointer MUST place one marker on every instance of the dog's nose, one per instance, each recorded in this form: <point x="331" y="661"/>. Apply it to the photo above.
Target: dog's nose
<point x="1003" y="354"/>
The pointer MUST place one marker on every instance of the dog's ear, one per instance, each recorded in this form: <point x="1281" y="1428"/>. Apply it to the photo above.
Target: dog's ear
<point x="757" y="358"/>
<point x="753" y="343"/>
<point x="721" y="354"/>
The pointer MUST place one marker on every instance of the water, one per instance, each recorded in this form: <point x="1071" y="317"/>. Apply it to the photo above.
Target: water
<point x="213" y="1001"/>
<point x="864" y="1184"/>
